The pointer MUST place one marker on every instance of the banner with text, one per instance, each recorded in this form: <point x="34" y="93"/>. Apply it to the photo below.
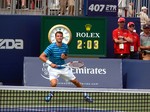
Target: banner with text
<point x="101" y="8"/>
<point x="97" y="73"/>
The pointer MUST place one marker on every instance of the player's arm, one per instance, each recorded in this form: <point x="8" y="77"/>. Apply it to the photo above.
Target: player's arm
<point x="44" y="58"/>
<point x="64" y="55"/>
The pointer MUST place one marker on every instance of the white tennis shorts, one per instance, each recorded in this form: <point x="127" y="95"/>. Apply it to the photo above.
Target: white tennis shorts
<point x="65" y="73"/>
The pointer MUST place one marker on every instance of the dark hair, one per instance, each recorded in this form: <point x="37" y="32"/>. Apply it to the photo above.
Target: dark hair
<point x="58" y="32"/>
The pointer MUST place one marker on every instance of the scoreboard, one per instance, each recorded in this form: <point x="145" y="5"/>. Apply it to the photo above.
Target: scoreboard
<point x="86" y="37"/>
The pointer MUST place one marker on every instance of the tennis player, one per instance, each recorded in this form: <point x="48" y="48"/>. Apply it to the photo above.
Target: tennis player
<point x="55" y="54"/>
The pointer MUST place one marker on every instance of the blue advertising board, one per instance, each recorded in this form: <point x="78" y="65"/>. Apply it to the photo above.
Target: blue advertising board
<point x="19" y="37"/>
<point x="101" y="8"/>
<point x="136" y="74"/>
<point x="97" y="73"/>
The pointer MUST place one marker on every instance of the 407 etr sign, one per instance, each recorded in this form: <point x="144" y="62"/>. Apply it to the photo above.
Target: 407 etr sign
<point x="102" y="7"/>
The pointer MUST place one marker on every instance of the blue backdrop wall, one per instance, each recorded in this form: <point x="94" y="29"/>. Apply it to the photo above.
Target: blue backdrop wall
<point x="20" y="37"/>
<point x="136" y="74"/>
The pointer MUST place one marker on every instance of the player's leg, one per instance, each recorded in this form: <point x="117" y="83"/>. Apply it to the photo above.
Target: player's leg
<point x="86" y="96"/>
<point x="76" y="83"/>
<point x="53" y="77"/>
<point x="70" y="76"/>
<point x="53" y="83"/>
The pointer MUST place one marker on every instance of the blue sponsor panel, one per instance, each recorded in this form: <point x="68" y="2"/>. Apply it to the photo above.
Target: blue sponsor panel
<point x="97" y="73"/>
<point x="101" y="8"/>
<point x="136" y="74"/>
<point x="19" y="37"/>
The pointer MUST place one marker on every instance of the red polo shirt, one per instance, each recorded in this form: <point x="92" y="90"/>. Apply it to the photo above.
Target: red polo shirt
<point x="115" y="34"/>
<point x="136" y="40"/>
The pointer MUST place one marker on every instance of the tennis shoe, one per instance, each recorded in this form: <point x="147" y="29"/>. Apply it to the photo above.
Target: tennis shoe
<point x="88" y="99"/>
<point x="48" y="97"/>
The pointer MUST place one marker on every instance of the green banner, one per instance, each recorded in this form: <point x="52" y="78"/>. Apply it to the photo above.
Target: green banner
<point x="85" y="36"/>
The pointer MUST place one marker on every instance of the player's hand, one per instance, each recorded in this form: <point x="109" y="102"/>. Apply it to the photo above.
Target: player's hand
<point x="63" y="56"/>
<point x="53" y="65"/>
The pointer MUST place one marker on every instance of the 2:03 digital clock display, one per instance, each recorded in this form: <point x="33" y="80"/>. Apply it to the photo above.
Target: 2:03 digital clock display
<point x="88" y="44"/>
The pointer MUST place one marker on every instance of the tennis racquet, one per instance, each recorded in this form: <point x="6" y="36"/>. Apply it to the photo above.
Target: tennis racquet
<point x="72" y="64"/>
